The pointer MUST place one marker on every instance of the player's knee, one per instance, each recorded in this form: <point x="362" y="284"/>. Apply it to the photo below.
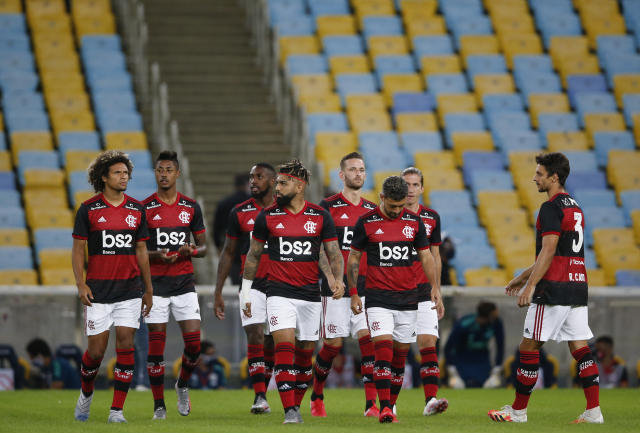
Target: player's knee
<point x="333" y="342"/>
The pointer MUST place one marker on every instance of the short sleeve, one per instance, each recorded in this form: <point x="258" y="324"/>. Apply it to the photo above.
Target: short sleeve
<point x="420" y="241"/>
<point x="197" y="223"/>
<point x="359" y="240"/>
<point x="233" y="225"/>
<point x="81" y="225"/>
<point x="260" y="229"/>
<point x="143" y="229"/>
<point x="550" y="219"/>
<point x="328" y="228"/>
<point x="436" y="238"/>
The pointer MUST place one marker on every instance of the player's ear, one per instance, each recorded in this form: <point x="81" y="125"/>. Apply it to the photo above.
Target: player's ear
<point x="341" y="175"/>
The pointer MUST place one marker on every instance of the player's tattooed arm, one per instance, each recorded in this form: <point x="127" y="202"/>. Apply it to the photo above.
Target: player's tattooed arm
<point x="353" y="265"/>
<point x="253" y="259"/>
<point x="77" y="263"/>
<point x="334" y="254"/>
<point x="224" y="268"/>
<point x="325" y="267"/>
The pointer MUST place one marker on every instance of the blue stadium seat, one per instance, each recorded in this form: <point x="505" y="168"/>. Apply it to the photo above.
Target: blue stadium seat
<point x="392" y="159"/>
<point x="401" y="64"/>
<point x="493" y="180"/>
<point x="104" y="60"/>
<point x="12" y="24"/>
<point x="470" y="236"/>
<point x="27" y="122"/>
<point x="585" y="180"/>
<point x="335" y="122"/>
<point x="7" y="181"/>
<point x="10" y="198"/>
<point x="601" y="102"/>
<point x="469" y="25"/>
<point x="473" y="257"/>
<point x="628" y="278"/>
<point x="355" y="83"/>
<point x="119" y="102"/>
<point x="14" y="42"/>
<point x="78" y="182"/>
<point x="143" y="179"/>
<point x="558" y="24"/>
<point x="446" y="83"/>
<point x="590" y="258"/>
<point x="530" y="63"/>
<point x="52" y="238"/>
<point x="382" y="25"/>
<point x="413" y="142"/>
<point x="16" y="258"/>
<point x="412" y="102"/>
<point x="588" y="83"/>
<point x="462" y="122"/>
<point x="140" y="194"/>
<point x="453" y="218"/>
<point x="621" y="64"/>
<point x="474" y="161"/>
<point x="631" y="104"/>
<point x="630" y="201"/>
<point x="141" y="159"/>
<point x="329" y="7"/>
<point x="17" y="61"/>
<point x="581" y="161"/>
<point x="297" y="25"/>
<point x="100" y="43"/>
<point x="45" y="160"/>
<point x="595" y="197"/>
<point x="378" y="140"/>
<point x="343" y="45"/>
<point x="497" y="102"/>
<point x="600" y="217"/>
<point x="614" y="140"/>
<point x="114" y="83"/>
<point x="485" y="64"/>
<point x="77" y="141"/>
<point x="450" y="200"/>
<point x="609" y="45"/>
<point x="3" y="141"/>
<point x="508" y="121"/>
<point x="556" y="122"/>
<point x="437" y="45"/>
<point x="12" y="218"/>
<point x="307" y="64"/>
<point x="283" y="8"/>
<point x="538" y="82"/>
<point x="516" y="141"/>
<point x="120" y="122"/>
<point x="540" y="6"/>
<point x="18" y="81"/>
<point x="23" y="102"/>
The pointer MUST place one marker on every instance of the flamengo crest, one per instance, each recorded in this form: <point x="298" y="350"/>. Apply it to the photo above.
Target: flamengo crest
<point x="131" y="220"/>
<point x="407" y="231"/>
<point x="184" y="217"/>
<point x="310" y="227"/>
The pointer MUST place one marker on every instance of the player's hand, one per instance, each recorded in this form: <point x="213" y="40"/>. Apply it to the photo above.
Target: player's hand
<point x="356" y="304"/>
<point x="524" y="299"/>
<point x="147" y="303"/>
<point x="514" y="286"/>
<point x="247" y="309"/>
<point x="218" y="307"/>
<point x="186" y="250"/>
<point x="85" y="295"/>
<point x="436" y="298"/>
<point x="338" y="289"/>
<point x="165" y="257"/>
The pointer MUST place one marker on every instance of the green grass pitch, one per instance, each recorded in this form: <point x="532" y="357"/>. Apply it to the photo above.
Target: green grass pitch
<point x="228" y="411"/>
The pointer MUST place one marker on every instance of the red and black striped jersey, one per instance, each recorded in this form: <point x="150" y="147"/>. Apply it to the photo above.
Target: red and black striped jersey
<point x="565" y="282"/>
<point x="431" y="221"/>
<point x="242" y="219"/>
<point x="111" y="233"/>
<point x="170" y="227"/>
<point x="391" y="280"/>
<point x="345" y="215"/>
<point x="293" y="244"/>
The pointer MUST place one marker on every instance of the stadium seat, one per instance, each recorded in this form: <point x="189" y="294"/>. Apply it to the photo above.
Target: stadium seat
<point x="502" y="102"/>
<point x="486" y="64"/>
<point x="30" y="141"/>
<point x="478" y="45"/>
<point x="631" y="106"/>
<point x="412" y="102"/>
<point x="58" y="258"/>
<point x="413" y="142"/>
<point x="15" y="257"/>
<point x="300" y="25"/>
<point x="539" y="82"/>
<point x="547" y="103"/>
<point x="329" y="103"/>
<point x="57" y="277"/>
<point x="17" y="237"/>
<point x="586" y="180"/>
<point x="603" y="122"/>
<point x="50" y="218"/>
<point x="392" y="83"/>
<point x="450" y="200"/>
<point x="22" y="277"/>
<point x="630" y="202"/>
<point x="336" y="122"/>
<point x="486" y="277"/>
<point x="126" y="141"/>
<point x="556" y="123"/>
<point x="581" y="161"/>
<point x="595" y="197"/>
<point x="430" y="65"/>
<point x="587" y="103"/>
<point x="369" y="120"/>
<point x="584" y="83"/>
<point x="446" y="83"/>
<point x="298" y="64"/>
<point x="568" y="140"/>
<point x="493" y="83"/>
<point x="355" y="83"/>
<point x="473" y="161"/>
<point x="464" y="141"/>
<point x="516" y="44"/>
<point x="433" y="45"/>
<point x="52" y="238"/>
<point x="416" y="122"/>
<point x="342" y="45"/>
<point x="428" y="161"/>
<point x="352" y="64"/>
<point x="604" y="142"/>
<point x="387" y="45"/>
<point x="628" y="278"/>
<point x="312" y="84"/>
<point x="445" y="179"/>
<point x="455" y="103"/>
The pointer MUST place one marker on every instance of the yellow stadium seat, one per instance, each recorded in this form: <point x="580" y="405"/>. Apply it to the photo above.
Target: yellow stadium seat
<point x="97" y="25"/>
<point x="68" y="102"/>
<point x="625" y="83"/>
<point x="313" y="84"/>
<point x="596" y="277"/>
<point x="443" y="179"/>
<point x="369" y="121"/>
<point x="59" y="64"/>
<point x="599" y="122"/>
<point x="486" y="277"/>
<point x="623" y="258"/>
<point x="88" y="8"/>
<point x="522" y="161"/>
<point x="329" y="103"/>
<point x="515" y="243"/>
<point x="428" y="161"/>
<point x="562" y="47"/>
<point x="79" y="160"/>
<point x="493" y="83"/>
<point x="416" y="122"/>
<point x="53" y="197"/>
<point x="30" y="140"/>
<point x="14" y="238"/>
<point x="21" y="277"/>
<point x="578" y="65"/>
<point x="380" y="176"/>
<point x="466" y="141"/>
<point x="370" y="195"/>
<point x="62" y="121"/>
<point x="418" y="9"/>
<point x="134" y="140"/>
<point x="40" y="8"/>
<point x="635" y="219"/>
<point x="596" y="25"/>
<point x="5" y="161"/>
<point x="440" y="65"/>
<point x="297" y="45"/>
<point x="50" y="218"/>
<point x="365" y="8"/>
<point x="590" y="7"/>
<point x="515" y="44"/>
<point x="512" y="6"/>
<point x="80" y="197"/>
<point x="501" y="217"/>
<point x="531" y="198"/>
<point x="488" y="199"/>
<point x="329" y="25"/>
<point x="356" y="64"/>
<point x="625" y="178"/>
<point x="393" y="83"/>
<point x="51" y="44"/>
<point x="57" y="277"/>
<point x="333" y="143"/>
<point x="510" y="23"/>
<point x="1" y="122"/>
<point x="455" y="103"/>
<point x="433" y="25"/>
<point x="478" y="44"/>
<point x="366" y="101"/>
<point x="387" y="45"/>
<point x="10" y="7"/>
<point x="43" y="178"/>
<point x="55" y="258"/>
<point x="56" y="83"/>
<point x="607" y="239"/>
<point x="547" y="103"/>
<point x="516" y="262"/>
<point x="621" y="160"/>
<point x="567" y="141"/>
<point x="51" y="24"/>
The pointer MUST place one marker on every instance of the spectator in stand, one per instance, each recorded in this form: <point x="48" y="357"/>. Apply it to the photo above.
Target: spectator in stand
<point x="613" y="371"/>
<point x="48" y="371"/>
<point x="210" y="371"/>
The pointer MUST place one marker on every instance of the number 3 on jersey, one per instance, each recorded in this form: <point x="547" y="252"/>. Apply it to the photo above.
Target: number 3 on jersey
<point x="577" y="246"/>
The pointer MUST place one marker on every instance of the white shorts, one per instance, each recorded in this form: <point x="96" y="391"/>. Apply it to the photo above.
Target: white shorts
<point x="338" y="320"/>
<point x="99" y="317"/>
<point x="183" y="307"/>
<point x="303" y="316"/>
<point x="258" y="310"/>
<point x="427" y="322"/>
<point x="557" y="322"/>
<point x="401" y="325"/>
